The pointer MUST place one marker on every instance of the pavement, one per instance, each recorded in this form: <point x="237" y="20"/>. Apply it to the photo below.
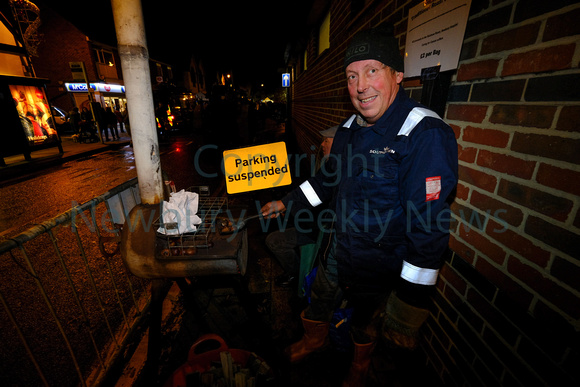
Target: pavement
<point x="17" y="166"/>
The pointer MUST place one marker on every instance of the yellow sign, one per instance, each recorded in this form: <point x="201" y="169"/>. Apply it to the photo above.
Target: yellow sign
<point x="256" y="167"/>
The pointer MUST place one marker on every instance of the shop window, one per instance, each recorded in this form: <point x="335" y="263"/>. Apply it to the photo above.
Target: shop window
<point x="324" y="34"/>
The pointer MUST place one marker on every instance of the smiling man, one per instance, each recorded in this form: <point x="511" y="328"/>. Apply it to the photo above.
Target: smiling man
<point x="396" y="163"/>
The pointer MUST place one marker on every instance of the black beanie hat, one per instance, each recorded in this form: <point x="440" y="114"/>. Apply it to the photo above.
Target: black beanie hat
<point x="376" y="43"/>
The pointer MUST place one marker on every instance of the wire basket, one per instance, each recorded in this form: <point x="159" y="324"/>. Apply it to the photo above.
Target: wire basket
<point x="186" y="244"/>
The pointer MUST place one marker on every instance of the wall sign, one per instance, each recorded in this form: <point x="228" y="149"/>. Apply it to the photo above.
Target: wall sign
<point x="435" y="33"/>
<point x="256" y="167"/>
<point x="286" y="80"/>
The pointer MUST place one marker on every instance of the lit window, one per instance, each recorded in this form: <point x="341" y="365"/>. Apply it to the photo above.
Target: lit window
<point x="104" y="57"/>
<point x="324" y="34"/>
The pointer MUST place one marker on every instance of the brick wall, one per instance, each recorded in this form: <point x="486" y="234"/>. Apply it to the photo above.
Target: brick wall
<point x="507" y="306"/>
<point x="54" y="56"/>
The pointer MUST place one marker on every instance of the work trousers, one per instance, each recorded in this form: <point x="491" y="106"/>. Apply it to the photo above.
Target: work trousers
<point x="327" y="296"/>
<point x="284" y="246"/>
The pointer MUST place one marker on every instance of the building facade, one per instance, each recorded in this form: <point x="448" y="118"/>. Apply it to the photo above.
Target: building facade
<point x="65" y="48"/>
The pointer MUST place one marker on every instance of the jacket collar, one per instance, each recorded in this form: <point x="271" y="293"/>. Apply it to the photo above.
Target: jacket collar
<point x="356" y="121"/>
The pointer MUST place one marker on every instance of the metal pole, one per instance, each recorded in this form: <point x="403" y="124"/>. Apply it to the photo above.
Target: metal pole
<point x="132" y="46"/>
<point x="91" y="100"/>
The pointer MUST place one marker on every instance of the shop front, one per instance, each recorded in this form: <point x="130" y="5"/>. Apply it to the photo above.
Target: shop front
<point x="108" y="95"/>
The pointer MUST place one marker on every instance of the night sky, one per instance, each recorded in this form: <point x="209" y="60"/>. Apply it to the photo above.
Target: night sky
<point x="246" y="37"/>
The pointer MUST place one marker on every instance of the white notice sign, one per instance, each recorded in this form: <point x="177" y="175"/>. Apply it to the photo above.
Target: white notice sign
<point x="435" y="35"/>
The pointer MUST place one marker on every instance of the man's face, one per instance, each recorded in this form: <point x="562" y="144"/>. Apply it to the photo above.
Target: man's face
<point x="372" y="87"/>
<point x="326" y="145"/>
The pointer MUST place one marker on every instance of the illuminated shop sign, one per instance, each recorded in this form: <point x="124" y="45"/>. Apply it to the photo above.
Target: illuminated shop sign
<point x="100" y="87"/>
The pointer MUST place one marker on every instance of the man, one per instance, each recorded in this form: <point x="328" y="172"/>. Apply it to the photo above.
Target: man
<point x="284" y="243"/>
<point x="392" y="172"/>
<point x="75" y="120"/>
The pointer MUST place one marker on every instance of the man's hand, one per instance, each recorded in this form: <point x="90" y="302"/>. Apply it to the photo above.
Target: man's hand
<point x="273" y="209"/>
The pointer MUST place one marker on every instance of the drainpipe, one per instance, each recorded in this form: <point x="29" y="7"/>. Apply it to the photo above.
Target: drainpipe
<point x="132" y="46"/>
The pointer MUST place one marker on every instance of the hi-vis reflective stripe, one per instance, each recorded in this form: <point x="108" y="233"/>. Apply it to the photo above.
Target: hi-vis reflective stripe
<point x="415" y="116"/>
<point x="418" y="275"/>
<point x="348" y="123"/>
<point x="310" y="194"/>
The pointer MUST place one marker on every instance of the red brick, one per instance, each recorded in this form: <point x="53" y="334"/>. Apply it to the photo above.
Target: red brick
<point x="466" y="154"/>
<point x="569" y="119"/>
<point x="479" y="70"/>
<point x="468" y="313"/>
<point x="456" y="130"/>
<point x="560" y="178"/>
<point x="510" y="39"/>
<point x="518" y="243"/>
<point x="504" y="282"/>
<point x="468" y="50"/>
<point x="482" y="244"/>
<point x="464" y="251"/>
<point x="489" y="137"/>
<point x="493" y="317"/>
<point x="462" y="192"/>
<point x="477" y="178"/>
<point x="548" y="59"/>
<point x="563" y="25"/>
<point x="560" y="238"/>
<point x="469" y="113"/>
<point x="552" y="147"/>
<point x="566" y="271"/>
<point x="496" y="208"/>
<point x="469" y="217"/>
<point x="534" y="199"/>
<point x="545" y="287"/>
<point x="530" y="116"/>
<point x="506" y="164"/>
<point x="456" y="281"/>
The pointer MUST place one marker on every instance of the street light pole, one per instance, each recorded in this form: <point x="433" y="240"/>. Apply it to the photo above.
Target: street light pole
<point x="137" y="239"/>
<point x="132" y="45"/>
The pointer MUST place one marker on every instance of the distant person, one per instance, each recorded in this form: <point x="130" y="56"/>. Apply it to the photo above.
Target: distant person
<point x="75" y="121"/>
<point x="87" y="125"/>
<point x="120" y="120"/>
<point x="111" y="123"/>
<point x="126" y="122"/>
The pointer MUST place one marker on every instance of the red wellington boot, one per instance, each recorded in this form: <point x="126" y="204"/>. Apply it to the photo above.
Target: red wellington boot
<point x="315" y="338"/>
<point x="359" y="369"/>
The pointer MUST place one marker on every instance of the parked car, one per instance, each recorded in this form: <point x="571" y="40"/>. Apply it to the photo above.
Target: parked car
<point x="60" y="120"/>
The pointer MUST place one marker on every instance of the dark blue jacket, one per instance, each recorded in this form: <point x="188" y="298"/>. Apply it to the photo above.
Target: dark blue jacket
<point x="391" y="184"/>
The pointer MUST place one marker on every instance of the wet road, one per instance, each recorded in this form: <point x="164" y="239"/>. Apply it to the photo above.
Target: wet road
<point x="38" y="197"/>
<point x="53" y="191"/>
<point x="50" y="192"/>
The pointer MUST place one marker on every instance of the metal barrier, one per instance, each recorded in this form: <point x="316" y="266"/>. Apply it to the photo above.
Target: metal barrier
<point x="69" y="304"/>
